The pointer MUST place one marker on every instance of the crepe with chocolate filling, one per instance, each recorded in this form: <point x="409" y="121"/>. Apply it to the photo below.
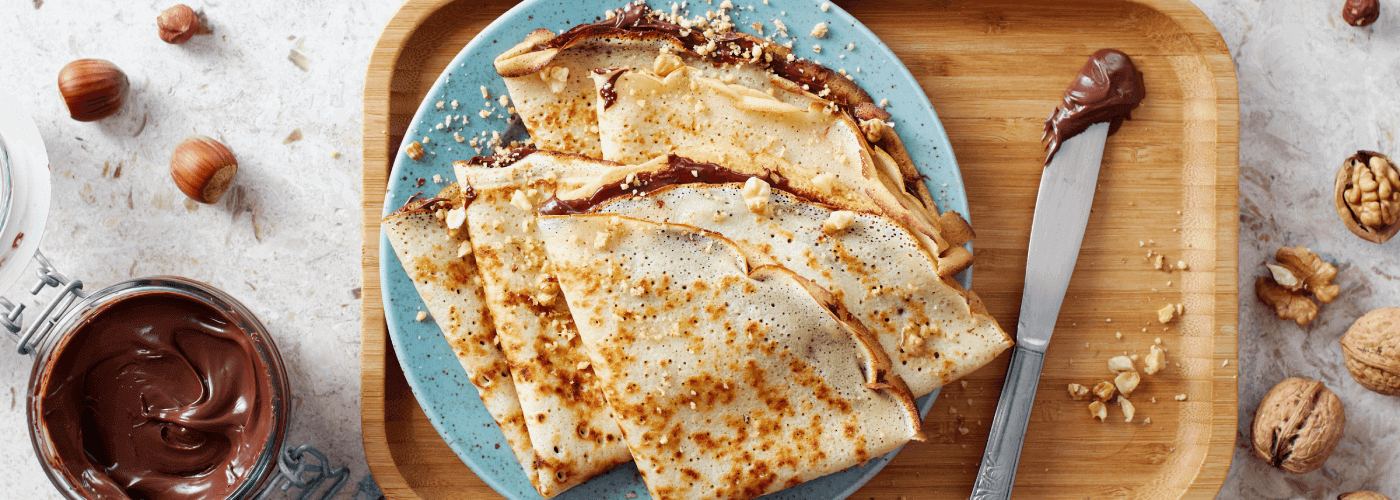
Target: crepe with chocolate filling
<point x="572" y="430"/>
<point x="731" y="378"/>
<point x="932" y="329"/>
<point x="445" y="277"/>
<point x="816" y="148"/>
<point x="547" y="74"/>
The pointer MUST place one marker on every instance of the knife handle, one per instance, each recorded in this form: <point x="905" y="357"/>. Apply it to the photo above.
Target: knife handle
<point x="998" y="471"/>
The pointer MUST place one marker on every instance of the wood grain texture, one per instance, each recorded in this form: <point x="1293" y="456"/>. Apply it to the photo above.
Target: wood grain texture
<point x="993" y="70"/>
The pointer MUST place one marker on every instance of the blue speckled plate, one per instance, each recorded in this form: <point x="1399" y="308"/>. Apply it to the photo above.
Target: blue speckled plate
<point x="438" y="381"/>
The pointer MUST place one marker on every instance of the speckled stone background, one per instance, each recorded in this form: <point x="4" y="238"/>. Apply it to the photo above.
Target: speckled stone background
<point x="286" y="240"/>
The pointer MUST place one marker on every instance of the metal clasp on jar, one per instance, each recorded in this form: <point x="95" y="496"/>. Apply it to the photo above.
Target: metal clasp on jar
<point x="11" y="314"/>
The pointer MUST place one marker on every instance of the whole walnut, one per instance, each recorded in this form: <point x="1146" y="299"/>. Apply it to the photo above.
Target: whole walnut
<point x="1362" y="495"/>
<point x="1297" y="426"/>
<point x="1372" y="349"/>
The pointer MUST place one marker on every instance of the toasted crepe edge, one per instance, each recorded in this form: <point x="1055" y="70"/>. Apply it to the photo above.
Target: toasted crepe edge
<point x="451" y="197"/>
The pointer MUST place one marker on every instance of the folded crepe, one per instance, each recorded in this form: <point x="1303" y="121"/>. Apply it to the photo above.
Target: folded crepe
<point x="730" y="379"/>
<point x="572" y="430"/>
<point x="547" y="75"/>
<point x="934" y="331"/>
<point x="436" y="258"/>
<point x="548" y="79"/>
<point x="813" y="147"/>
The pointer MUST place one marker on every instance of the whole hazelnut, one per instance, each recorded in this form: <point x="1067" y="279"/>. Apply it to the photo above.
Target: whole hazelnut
<point x="1372" y="350"/>
<point x="178" y="24"/>
<point x="1297" y="426"/>
<point x="1368" y="196"/>
<point x="1362" y="495"/>
<point x="93" y="89"/>
<point x="202" y="168"/>
<point x="1361" y="12"/>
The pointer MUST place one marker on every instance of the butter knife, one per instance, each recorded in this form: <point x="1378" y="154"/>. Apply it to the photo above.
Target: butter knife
<point x="1061" y="212"/>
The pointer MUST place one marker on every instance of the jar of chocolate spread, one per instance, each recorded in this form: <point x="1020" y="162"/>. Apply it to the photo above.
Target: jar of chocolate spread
<point x="152" y="388"/>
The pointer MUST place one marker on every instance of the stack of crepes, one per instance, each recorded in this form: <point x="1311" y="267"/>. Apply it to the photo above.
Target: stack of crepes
<point x="720" y="263"/>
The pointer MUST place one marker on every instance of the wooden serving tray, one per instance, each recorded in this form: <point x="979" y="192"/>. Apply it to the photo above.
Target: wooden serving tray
<point x="994" y="70"/>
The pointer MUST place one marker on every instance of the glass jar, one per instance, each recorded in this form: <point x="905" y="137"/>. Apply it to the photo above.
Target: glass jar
<point x="24" y="204"/>
<point x="52" y="343"/>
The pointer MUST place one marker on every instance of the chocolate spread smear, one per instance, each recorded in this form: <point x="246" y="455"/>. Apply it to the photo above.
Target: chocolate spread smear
<point x="608" y="92"/>
<point x="678" y="170"/>
<point x="1107" y="89"/>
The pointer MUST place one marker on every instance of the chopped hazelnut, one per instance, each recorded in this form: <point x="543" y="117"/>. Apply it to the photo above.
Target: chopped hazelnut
<point x="1156" y="359"/>
<point x="414" y="151"/>
<point x="422" y="315"/>
<point x="1103" y="390"/>
<point x="825" y="182"/>
<point x="838" y="221"/>
<point x="456" y="217"/>
<point x="1120" y="364"/>
<point x="756" y="194"/>
<point x="1127" y="382"/>
<point x="1128" y="409"/>
<point x="1166" y="314"/>
<point x="1077" y="391"/>
<point x="1098" y="410"/>
<point x="521" y="201"/>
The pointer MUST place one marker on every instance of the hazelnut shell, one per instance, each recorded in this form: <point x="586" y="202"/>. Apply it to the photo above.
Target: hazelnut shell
<point x="1372" y="350"/>
<point x="93" y="89"/>
<point x="1343" y="181"/>
<point x="202" y="168"/>
<point x="1361" y="12"/>
<point x="1298" y="425"/>
<point x="178" y="24"/>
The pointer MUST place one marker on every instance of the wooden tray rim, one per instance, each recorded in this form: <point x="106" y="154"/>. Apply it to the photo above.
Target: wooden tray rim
<point x="377" y="151"/>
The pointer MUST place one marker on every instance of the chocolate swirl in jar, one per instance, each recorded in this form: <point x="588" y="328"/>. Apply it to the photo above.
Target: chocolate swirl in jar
<point x="156" y="395"/>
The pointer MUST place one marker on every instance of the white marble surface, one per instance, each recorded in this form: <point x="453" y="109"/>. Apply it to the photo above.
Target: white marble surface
<point x="1312" y="90"/>
<point x="288" y="247"/>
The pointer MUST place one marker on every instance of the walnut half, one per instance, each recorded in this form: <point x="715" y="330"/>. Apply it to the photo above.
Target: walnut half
<point x="1298" y="425"/>
<point x="1372" y="350"/>
<point x="1298" y="271"/>
<point x="1368" y="196"/>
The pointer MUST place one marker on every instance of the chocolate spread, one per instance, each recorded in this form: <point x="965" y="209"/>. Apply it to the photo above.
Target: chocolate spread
<point x="678" y="170"/>
<point x="157" y="396"/>
<point x="608" y="92"/>
<point x="1107" y="89"/>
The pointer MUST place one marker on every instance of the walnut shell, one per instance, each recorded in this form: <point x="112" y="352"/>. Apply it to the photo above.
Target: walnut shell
<point x="1297" y="426"/>
<point x="1362" y="495"/>
<point x="1364" y="194"/>
<point x="1372" y="349"/>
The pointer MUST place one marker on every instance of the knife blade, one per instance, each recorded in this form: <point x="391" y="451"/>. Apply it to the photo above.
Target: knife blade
<point x="1061" y="213"/>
